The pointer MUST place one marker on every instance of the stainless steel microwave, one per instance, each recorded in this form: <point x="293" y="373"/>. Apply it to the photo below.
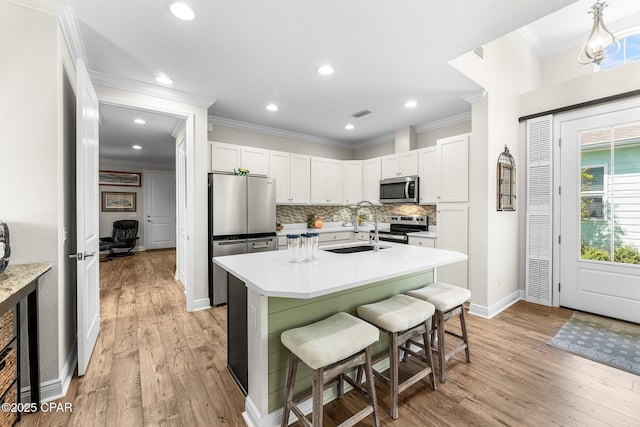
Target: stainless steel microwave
<point x="400" y="190"/>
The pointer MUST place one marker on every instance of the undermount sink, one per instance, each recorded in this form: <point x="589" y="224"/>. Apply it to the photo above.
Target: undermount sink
<point x="353" y="249"/>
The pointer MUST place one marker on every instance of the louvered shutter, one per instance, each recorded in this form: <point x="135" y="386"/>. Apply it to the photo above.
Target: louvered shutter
<point x="539" y="210"/>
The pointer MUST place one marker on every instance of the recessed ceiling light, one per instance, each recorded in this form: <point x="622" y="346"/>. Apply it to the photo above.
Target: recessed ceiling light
<point x="349" y="126"/>
<point x="139" y="121"/>
<point x="410" y="104"/>
<point x="136" y="147"/>
<point x="272" y="107"/>
<point x="164" y="79"/>
<point x="325" y="70"/>
<point x="182" y="11"/>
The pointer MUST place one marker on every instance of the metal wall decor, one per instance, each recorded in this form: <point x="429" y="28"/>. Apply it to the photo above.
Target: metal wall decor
<point x="506" y="188"/>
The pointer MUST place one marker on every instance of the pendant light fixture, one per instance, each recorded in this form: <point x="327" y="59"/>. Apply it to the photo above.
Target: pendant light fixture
<point x="600" y="42"/>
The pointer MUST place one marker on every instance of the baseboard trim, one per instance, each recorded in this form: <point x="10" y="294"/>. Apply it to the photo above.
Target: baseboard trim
<point x="56" y="388"/>
<point x="496" y="308"/>
<point x="199" y="304"/>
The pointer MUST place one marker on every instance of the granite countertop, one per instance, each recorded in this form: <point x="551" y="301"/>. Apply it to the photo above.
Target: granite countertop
<point x="271" y="274"/>
<point x="17" y="276"/>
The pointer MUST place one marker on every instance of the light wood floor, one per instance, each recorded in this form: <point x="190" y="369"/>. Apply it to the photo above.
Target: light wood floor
<point x="155" y="364"/>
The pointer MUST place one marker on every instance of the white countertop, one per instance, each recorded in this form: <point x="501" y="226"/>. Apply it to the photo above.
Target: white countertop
<point x="271" y="274"/>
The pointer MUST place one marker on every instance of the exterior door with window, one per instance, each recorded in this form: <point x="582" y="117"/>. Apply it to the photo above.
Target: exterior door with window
<point x="600" y="213"/>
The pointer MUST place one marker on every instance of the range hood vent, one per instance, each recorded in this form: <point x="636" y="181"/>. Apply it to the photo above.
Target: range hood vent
<point x="361" y="113"/>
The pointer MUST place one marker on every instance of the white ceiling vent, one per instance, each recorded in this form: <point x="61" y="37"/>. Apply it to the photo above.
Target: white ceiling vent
<point x="361" y="113"/>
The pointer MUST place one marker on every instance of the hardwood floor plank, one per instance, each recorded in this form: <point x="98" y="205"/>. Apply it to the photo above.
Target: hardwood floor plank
<point x="155" y="364"/>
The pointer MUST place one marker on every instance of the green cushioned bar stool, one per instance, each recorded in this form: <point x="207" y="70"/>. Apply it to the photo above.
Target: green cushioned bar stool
<point x="449" y="301"/>
<point x="402" y="318"/>
<point x="331" y="348"/>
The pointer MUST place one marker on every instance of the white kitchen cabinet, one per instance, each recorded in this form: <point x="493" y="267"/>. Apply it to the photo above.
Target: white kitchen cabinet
<point x="229" y="157"/>
<point x="403" y="164"/>
<point x="453" y="232"/>
<point x="325" y="239"/>
<point x="361" y="236"/>
<point x="453" y="153"/>
<point x="426" y="242"/>
<point x="371" y="180"/>
<point x="224" y="157"/>
<point x="256" y="160"/>
<point x="291" y="172"/>
<point x="353" y="180"/>
<point x="429" y="171"/>
<point x="327" y="181"/>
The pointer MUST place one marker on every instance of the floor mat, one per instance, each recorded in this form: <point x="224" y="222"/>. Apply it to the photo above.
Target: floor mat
<point x="612" y="342"/>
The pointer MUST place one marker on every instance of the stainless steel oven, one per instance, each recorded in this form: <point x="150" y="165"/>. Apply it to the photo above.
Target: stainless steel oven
<point x="400" y="226"/>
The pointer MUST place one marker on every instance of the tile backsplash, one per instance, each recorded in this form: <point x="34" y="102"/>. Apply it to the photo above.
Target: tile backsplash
<point x="288" y="214"/>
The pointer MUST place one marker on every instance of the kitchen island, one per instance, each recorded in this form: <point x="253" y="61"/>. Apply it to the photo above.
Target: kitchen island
<point x="281" y="295"/>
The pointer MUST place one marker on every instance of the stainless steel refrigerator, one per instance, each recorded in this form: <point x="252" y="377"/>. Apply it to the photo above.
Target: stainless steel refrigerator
<point x="242" y="219"/>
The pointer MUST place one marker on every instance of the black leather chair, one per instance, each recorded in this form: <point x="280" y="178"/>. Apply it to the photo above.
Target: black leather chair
<point x="122" y="241"/>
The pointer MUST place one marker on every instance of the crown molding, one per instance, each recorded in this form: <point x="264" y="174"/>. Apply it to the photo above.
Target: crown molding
<point x="389" y="137"/>
<point x="236" y="124"/>
<point x="530" y="37"/>
<point x="447" y="121"/>
<point x="475" y="96"/>
<point x="143" y="88"/>
<point x="68" y="18"/>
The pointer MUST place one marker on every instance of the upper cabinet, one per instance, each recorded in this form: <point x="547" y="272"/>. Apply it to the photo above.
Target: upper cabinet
<point x="429" y="165"/>
<point x="371" y="173"/>
<point x="227" y="157"/>
<point x="291" y="172"/>
<point x="403" y="164"/>
<point x="224" y="157"/>
<point x="327" y="181"/>
<point x="256" y="160"/>
<point x="353" y="176"/>
<point x="453" y="154"/>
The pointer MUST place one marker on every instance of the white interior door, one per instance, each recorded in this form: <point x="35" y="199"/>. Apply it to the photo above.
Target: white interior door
<point x="600" y="219"/>
<point x="160" y="209"/>
<point x="88" y="281"/>
<point x="182" y="213"/>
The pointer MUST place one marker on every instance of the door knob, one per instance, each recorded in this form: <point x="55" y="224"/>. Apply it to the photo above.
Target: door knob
<point x="149" y="220"/>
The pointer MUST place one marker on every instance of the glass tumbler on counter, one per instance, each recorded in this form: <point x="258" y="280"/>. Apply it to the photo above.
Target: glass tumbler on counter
<point x="305" y="247"/>
<point x="315" y="237"/>
<point x="293" y="247"/>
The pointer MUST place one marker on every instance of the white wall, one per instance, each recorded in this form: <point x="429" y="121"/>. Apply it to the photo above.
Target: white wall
<point x="32" y="158"/>
<point x="563" y="66"/>
<point x="508" y="69"/>
<point x="375" y="150"/>
<point x="601" y="84"/>
<point x="278" y="143"/>
<point x="430" y="137"/>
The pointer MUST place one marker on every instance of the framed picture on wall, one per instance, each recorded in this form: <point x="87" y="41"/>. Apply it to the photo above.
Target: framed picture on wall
<point x="128" y="179"/>
<point x="118" y="202"/>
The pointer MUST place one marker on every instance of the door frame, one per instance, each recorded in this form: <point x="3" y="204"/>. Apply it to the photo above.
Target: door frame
<point x="557" y="162"/>
<point x="148" y="103"/>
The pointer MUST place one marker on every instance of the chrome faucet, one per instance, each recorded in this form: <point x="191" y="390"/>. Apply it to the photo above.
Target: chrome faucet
<point x="376" y="245"/>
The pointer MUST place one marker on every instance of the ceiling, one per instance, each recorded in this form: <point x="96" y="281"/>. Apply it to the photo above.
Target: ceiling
<point x="246" y="54"/>
<point x="119" y="133"/>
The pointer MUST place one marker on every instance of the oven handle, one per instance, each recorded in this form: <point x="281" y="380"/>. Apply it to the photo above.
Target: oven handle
<point x="406" y="189"/>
